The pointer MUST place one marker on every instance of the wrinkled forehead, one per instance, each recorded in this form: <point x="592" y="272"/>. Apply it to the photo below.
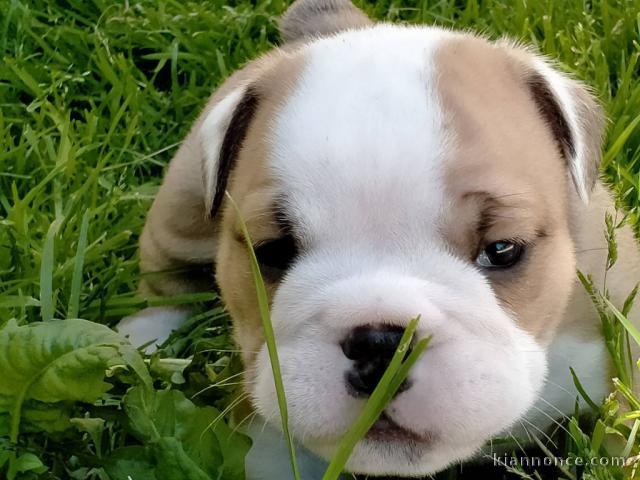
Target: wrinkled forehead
<point x="384" y="125"/>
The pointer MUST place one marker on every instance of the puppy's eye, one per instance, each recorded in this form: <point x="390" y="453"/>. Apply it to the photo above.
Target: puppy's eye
<point x="276" y="256"/>
<point x="501" y="254"/>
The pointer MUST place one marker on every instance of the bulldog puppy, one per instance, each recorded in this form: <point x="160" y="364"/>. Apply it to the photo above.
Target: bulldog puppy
<point x="385" y="172"/>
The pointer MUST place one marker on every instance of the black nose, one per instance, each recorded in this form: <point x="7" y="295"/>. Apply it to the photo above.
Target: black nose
<point x="371" y="349"/>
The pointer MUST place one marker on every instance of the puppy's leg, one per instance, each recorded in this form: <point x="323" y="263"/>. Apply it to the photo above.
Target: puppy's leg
<point x="152" y="326"/>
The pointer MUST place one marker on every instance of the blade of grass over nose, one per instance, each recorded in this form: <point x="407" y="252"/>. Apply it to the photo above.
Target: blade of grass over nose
<point x="405" y="368"/>
<point x="391" y="380"/>
<point x="269" y="336"/>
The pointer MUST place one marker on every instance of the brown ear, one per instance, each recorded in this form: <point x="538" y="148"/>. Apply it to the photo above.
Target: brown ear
<point x="572" y="113"/>
<point x="221" y="136"/>
<point x="307" y="19"/>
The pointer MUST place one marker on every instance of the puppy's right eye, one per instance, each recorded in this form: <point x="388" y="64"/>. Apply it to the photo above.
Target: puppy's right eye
<point x="276" y="256"/>
<point x="502" y="254"/>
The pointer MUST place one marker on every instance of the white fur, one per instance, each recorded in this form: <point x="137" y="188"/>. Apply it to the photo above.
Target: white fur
<point x="153" y="324"/>
<point x="563" y="92"/>
<point x="212" y="133"/>
<point x="588" y="359"/>
<point x="357" y="151"/>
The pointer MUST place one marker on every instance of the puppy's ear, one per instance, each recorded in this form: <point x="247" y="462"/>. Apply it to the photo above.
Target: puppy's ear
<point x="316" y="18"/>
<point x="221" y="136"/>
<point x="574" y="116"/>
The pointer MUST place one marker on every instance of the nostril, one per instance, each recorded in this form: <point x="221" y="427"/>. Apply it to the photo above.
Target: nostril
<point x="371" y="349"/>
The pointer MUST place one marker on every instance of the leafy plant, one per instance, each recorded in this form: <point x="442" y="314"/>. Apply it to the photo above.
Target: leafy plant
<point x="46" y="367"/>
<point x="57" y="377"/>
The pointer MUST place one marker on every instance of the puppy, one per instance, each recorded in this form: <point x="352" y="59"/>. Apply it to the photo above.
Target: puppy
<point x="386" y="172"/>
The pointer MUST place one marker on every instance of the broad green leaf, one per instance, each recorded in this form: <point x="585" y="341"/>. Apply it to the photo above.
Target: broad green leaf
<point x="56" y="362"/>
<point x="5" y="456"/>
<point x="135" y="462"/>
<point x="94" y="427"/>
<point x="27" y="462"/>
<point x="203" y="436"/>
<point x="38" y="416"/>
<point x="169" y="369"/>
<point x="174" y="463"/>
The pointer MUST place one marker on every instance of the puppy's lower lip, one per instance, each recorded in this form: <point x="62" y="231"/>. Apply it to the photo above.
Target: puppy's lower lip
<point x="386" y="430"/>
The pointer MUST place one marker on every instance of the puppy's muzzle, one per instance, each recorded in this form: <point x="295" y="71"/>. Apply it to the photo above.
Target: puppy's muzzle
<point x="370" y="349"/>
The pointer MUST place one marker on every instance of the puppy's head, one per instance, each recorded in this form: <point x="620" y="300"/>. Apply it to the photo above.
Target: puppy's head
<point x="387" y="172"/>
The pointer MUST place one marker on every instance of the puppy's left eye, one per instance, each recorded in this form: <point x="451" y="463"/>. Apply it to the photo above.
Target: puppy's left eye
<point x="276" y="256"/>
<point x="501" y="254"/>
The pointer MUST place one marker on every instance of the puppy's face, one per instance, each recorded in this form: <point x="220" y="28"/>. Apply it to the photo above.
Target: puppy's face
<point x="389" y="173"/>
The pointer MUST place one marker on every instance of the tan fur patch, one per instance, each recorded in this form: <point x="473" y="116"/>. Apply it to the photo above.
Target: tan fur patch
<point x="253" y="191"/>
<point x="590" y="115"/>
<point x="178" y="232"/>
<point x="310" y="19"/>
<point x="504" y="162"/>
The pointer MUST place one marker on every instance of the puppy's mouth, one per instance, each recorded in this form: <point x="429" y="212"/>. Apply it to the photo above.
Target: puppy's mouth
<point x="387" y="430"/>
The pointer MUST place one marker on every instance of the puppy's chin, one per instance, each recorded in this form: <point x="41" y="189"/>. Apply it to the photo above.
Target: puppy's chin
<point x="399" y="457"/>
<point x="394" y="450"/>
<point x="480" y="374"/>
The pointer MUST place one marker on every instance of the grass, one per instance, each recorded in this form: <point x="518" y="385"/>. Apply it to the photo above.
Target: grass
<point x="94" y="100"/>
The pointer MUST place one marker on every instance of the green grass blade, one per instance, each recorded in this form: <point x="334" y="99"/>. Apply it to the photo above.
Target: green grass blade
<point x="407" y="365"/>
<point x="620" y="141"/>
<point x="46" y="273"/>
<point x="550" y="455"/>
<point x="76" y="279"/>
<point x="391" y="380"/>
<point x="270" y="339"/>
<point x="629" y="327"/>
<point x="631" y="440"/>
<point x="582" y="391"/>
<point x="598" y="436"/>
<point x="627" y="393"/>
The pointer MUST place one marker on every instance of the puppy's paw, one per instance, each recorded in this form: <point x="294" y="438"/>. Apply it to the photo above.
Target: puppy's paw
<point x="153" y="324"/>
